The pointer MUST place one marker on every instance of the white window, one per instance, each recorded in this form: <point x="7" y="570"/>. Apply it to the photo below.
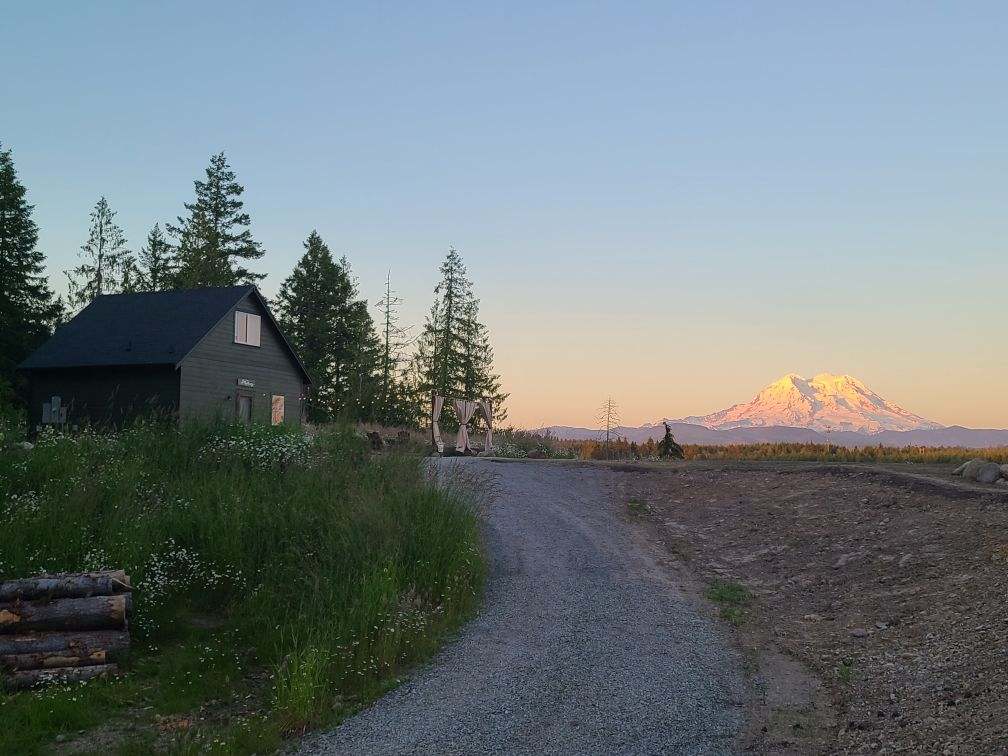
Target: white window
<point x="247" y="328"/>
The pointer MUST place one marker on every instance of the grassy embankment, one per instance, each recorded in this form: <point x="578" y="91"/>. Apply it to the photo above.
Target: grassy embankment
<point x="281" y="581"/>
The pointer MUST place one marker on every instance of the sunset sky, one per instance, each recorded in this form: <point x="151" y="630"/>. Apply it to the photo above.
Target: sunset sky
<point x="670" y="203"/>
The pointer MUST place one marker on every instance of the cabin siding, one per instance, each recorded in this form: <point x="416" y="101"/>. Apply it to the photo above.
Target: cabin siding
<point x="102" y="396"/>
<point x="210" y="373"/>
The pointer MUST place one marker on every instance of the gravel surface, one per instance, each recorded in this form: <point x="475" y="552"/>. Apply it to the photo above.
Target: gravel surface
<point x="583" y="645"/>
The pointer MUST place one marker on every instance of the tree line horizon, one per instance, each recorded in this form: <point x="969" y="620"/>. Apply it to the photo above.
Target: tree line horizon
<point x="361" y="370"/>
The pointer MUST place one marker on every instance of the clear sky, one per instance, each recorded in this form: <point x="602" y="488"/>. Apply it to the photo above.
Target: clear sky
<point x="671" y="203"/>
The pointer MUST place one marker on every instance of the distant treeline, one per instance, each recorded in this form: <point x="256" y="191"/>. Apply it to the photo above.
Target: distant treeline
<point x="360" y="370"/>
<point x="520" y="443"/>
<point x="834" y="453"/>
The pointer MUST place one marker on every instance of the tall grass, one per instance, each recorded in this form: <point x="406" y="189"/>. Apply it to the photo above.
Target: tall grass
<point x="516" y="443"/>
<point x="323" y="571"/>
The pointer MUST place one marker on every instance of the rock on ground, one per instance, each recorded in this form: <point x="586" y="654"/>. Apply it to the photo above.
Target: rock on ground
<point x="988" y="473"/>
<point x="970" y="469"/>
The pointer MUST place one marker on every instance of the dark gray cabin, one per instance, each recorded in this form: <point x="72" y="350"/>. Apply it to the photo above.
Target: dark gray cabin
<point x="212" y="353"/>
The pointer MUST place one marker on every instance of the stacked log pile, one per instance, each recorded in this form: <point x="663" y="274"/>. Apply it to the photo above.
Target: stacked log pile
<point x="62" y="628"/>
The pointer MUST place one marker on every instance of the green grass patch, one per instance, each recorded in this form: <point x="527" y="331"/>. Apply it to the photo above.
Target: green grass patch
<point x="845" y="672"/>
<point x="637" y="506"/>
<point x="733" y="598"/>
<point x="281" y="580"/>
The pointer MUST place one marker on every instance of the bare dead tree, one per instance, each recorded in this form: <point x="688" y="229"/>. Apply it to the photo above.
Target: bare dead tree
<point x="608" y="420"/>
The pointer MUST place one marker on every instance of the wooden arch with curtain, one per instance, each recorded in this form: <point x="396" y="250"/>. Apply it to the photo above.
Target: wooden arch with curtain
<point x="465" y="410"/>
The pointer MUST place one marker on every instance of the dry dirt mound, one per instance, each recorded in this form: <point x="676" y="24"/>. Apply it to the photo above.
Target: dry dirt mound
<point x="891" y="588"/>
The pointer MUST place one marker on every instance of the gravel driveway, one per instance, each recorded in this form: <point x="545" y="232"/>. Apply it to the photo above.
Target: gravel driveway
<point x="583" y="645"/>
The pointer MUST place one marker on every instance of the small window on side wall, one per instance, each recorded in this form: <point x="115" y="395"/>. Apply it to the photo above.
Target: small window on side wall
<point x="247" y="328"/>
<point x="278" y="410"/>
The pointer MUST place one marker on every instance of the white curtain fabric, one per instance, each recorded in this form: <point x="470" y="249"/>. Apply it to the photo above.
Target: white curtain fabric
<point x="488" y="415"/>
<point x="435" y="427"/>
<point x="465" y="409"/>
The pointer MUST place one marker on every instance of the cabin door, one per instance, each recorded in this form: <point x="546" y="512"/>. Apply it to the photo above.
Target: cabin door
<point x="244" y="409"/>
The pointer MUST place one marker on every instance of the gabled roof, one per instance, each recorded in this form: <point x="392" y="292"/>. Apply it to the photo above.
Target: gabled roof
<point x="153" y="328"/>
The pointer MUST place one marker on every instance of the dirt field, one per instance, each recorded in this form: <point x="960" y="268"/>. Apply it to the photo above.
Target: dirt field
<point x="890" y="588"/>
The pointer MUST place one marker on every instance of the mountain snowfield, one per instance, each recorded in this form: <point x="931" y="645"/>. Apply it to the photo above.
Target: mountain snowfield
<point x="835" y="409"/>
<point x="824" y="403"/>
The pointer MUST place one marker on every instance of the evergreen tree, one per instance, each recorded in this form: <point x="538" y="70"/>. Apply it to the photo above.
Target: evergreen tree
<point x="214" y="239"/>
<point x="156" y="268"/>
<point x="28" y="310"/>
<point x="330" y="328"/>
<point x="455" y="290"/>
<point x="667" y="447"/>
<point x="480" y="381"/>
<point x="414" y="394"/>
<point x="454" y="357"/>
<point x="424" y="367"/>
<point x="132" y="279"/>
<point x="106" y="264"/>
<point x="393" y="395"/>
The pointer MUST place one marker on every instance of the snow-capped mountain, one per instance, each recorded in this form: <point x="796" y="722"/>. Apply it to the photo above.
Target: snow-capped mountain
<point x="825" y="403"/>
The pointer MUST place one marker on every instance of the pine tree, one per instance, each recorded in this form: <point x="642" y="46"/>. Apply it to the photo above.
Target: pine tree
<point x="667" y="447"/>
<point x="445" y="329"/>
<point x="480" y="381"/>
<point x="414" y="393"/>
<point x="424" y="366"/>
<point x="28" y="310"/>
<point x="392" y="396"/>
<point x="454" y="357"/>
<point x="330" y="328"/>
<point x="106" y="263"/>
<point x="156" y="268"/>
<point x="214" y="239"/>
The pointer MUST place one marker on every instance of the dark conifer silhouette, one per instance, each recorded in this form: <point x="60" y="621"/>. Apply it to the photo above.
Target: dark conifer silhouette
<point x="667" y="447"/>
